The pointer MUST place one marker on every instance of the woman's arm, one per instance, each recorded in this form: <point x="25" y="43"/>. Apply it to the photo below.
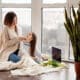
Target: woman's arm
<point x="10" y="42"/>
<point x="6" y="41"/>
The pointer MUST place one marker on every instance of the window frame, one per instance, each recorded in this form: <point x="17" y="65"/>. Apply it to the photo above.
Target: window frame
<point x="62" y="5"/>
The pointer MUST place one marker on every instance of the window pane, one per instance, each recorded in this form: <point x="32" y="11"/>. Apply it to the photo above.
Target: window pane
<point x="53" y="1"/>
<point x="54" y="33"/>
<point x="16" y="1"/>
<point x="24" y="18"/>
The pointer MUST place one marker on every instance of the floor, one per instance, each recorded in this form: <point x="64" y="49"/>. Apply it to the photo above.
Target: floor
<point x="65" y="74"/>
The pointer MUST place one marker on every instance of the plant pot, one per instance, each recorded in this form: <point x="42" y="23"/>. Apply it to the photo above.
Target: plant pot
<point x="77" y="70"/>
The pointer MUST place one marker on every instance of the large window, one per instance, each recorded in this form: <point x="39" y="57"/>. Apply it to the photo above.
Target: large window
<point x="45" y="18"/>
<point x="54" y="33"/>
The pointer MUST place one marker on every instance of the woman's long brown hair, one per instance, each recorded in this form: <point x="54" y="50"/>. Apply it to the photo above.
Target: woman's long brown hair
<point x="8" y="19"/>
<point x="33" y="45"/>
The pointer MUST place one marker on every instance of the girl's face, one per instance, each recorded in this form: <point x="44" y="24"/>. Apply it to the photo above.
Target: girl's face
<point x="14" y="21"/>
<point x="29" y="37"/>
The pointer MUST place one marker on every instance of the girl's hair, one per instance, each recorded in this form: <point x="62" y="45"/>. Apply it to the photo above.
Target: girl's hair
<point x="8" y="19"/>
<point x="33" y="45"/>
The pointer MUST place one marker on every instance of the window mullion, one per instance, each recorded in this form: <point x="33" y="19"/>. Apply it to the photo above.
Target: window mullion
<point x="36" y="20"/>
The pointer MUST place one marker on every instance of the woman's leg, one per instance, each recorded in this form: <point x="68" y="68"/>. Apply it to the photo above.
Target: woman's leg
<point x="19" y="64"/>
<point x="14" y="58"/>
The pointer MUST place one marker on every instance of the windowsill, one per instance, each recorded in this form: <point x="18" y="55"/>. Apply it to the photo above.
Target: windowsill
<point x="68" y="61"/>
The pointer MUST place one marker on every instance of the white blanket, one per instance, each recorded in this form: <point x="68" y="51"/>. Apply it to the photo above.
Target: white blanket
<point x="35" y="70"/>
<point x="27" y="67"/>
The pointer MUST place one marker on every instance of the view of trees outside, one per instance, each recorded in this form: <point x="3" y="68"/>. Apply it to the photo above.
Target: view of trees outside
<point x="54" y="33"/>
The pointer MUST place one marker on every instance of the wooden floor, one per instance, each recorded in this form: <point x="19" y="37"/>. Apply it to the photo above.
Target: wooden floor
<point x="62" y="75"/>
<point x="7" y="76"/>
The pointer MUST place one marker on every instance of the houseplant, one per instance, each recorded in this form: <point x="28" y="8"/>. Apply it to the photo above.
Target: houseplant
<point x="72" y="26"/>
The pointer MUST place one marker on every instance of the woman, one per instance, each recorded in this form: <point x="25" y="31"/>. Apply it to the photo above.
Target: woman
<point x="9" y="39"/>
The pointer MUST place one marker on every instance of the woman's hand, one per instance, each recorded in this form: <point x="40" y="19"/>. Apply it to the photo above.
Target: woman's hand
<point x="22" y="39"/>
<point x="27" y="38"/>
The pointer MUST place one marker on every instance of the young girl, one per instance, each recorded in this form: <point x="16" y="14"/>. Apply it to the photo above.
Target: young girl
<point x="33" y="50"/>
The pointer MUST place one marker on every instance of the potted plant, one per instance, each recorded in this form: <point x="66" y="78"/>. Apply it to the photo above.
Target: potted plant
<point x="72" y="26"/>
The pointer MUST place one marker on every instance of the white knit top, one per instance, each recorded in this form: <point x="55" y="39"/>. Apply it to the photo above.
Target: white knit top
<point x="12" y="33"/>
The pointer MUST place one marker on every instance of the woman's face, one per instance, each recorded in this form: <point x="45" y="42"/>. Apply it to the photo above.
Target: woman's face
<point x="29" y="37"/>
<point x="14" y="21"/>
